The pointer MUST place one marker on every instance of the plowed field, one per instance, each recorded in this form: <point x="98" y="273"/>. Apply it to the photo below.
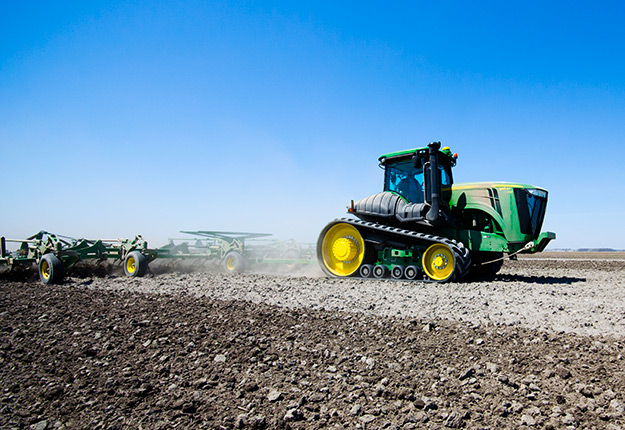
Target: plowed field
<point x="541" y="346"/>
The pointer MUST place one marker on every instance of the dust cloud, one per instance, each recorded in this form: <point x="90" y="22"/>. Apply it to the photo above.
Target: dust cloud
<point x="309" y="269"/>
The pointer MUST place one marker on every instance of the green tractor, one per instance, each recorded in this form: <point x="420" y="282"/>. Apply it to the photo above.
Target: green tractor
<point x="423" y="226"/>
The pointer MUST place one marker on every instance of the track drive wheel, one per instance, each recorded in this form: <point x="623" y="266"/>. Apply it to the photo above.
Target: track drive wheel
<point x="135" y="264"/>
<point x="51" y="269"/>
<point x="439" y="262"/>
<point x="233" y="263"/>
<point x="340" y="249"/>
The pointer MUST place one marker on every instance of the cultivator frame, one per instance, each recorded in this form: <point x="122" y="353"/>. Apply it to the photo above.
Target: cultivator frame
<point x="54" y="254"/>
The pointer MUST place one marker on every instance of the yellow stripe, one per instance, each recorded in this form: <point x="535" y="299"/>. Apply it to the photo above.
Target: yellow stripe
<point x="482" y="185"/>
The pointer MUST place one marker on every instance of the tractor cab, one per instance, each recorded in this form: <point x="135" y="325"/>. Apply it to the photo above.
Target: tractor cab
<point x="410" y="174"/>
<point x="417" y="188"/>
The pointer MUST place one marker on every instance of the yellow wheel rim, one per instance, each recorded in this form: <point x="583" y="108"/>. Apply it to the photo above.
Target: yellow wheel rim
<point x="438" y="262"/>
<point x="230" y="264"/>
<point x="130" y="265"/>
<point x="343" y="249"/>
<point x="45" y="269"/>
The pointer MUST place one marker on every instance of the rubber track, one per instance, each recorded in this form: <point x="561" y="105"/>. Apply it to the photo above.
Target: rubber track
<point x="461" y="253"/>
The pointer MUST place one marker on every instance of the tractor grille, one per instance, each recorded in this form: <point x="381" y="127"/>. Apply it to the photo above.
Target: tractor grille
<point x="531" y="205"/>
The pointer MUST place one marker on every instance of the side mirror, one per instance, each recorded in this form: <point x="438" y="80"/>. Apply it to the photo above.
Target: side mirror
<point x="417" y="162"/>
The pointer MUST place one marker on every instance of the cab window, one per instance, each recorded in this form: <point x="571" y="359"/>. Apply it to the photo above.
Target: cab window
<point x="404" y="179"/>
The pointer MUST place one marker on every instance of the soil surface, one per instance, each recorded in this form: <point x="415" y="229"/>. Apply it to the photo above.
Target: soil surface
<point x="541" y="346"/>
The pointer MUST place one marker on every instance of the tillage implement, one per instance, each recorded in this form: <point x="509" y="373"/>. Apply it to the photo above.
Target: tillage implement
<point x="423" y="226"/>
<point x="55" y="255"/>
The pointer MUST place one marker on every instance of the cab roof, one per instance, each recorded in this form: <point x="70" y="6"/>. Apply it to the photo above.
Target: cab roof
<point x="444" y="153"/>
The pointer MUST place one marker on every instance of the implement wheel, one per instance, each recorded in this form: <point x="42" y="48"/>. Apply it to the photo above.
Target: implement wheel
<point x="340" y="249"/>
<point x="135" y="264"/>
<point x="233" y="263"/>
<point x="51" y="269"/>
<point x="439" y="262"/>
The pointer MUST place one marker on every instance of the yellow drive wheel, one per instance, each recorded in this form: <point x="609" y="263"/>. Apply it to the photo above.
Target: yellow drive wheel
<point x="439" y="262"/>
<point x="342" y="249"/>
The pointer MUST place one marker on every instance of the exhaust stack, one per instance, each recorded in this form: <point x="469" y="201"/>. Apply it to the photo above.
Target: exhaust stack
<point x="433" y="182"/>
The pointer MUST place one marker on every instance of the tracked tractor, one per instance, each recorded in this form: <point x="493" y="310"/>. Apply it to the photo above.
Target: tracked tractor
<point x="423" y="226"/>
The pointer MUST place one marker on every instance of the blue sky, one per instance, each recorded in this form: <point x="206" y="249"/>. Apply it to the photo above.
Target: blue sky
<point x="146" y="117"/>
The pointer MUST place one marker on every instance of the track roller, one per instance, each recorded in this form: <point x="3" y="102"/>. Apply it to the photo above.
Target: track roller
<point x="411" y="272"/>
<point x="365" y="270"/>
<point x="397" y="272"/>
<point x="380" y="271"/>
